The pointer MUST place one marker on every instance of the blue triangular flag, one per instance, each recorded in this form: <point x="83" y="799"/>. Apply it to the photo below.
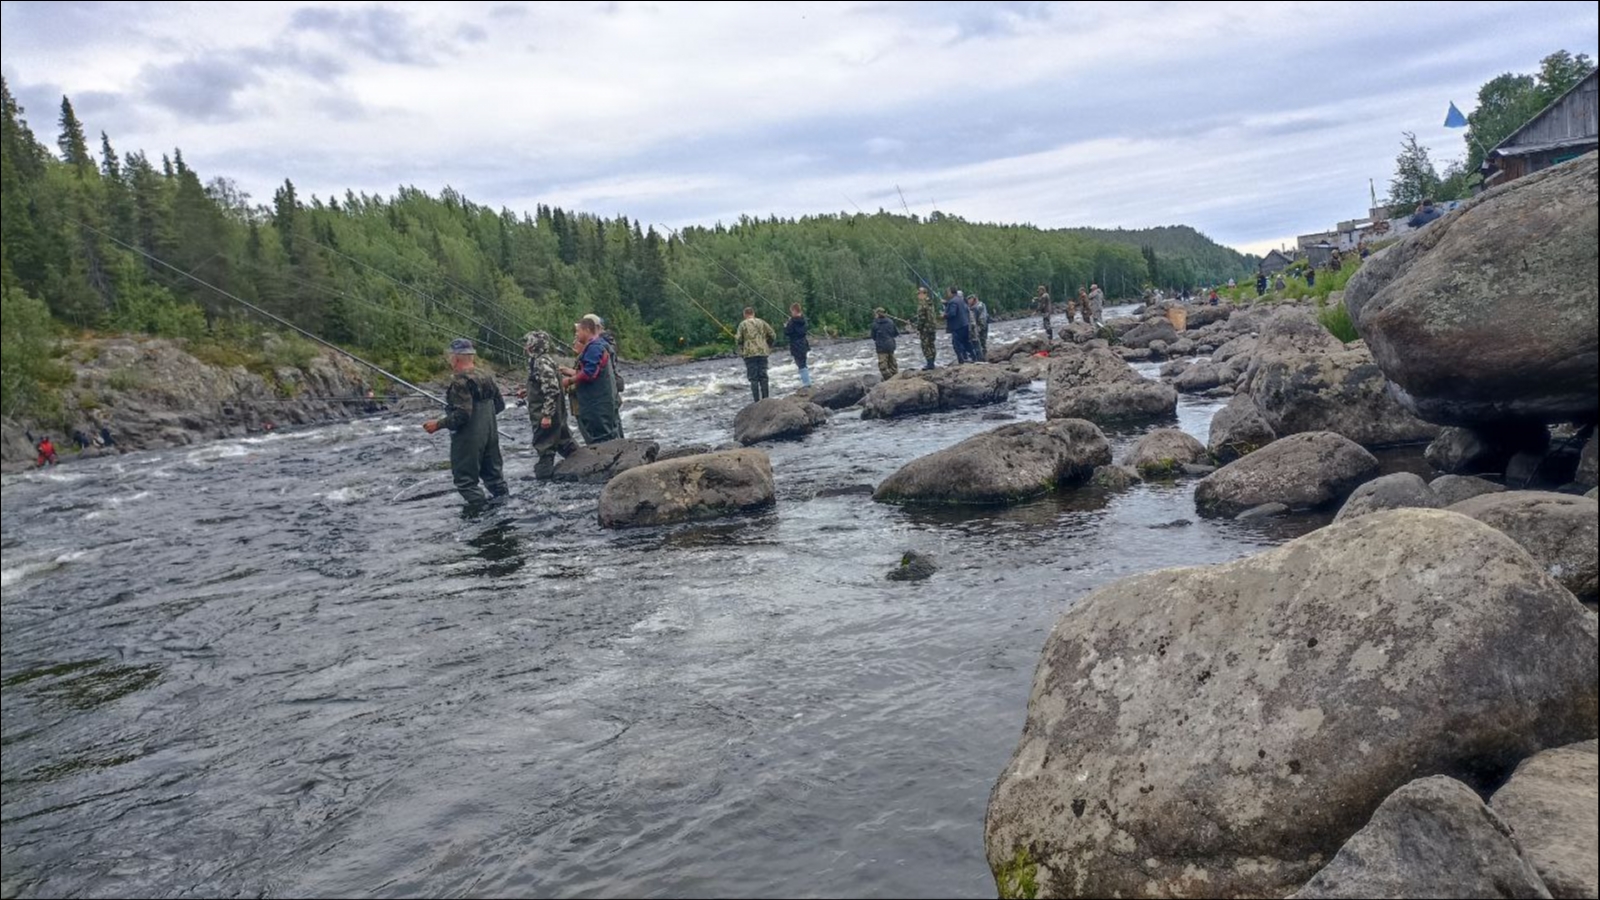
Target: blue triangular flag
<point x="1454" y="118"/>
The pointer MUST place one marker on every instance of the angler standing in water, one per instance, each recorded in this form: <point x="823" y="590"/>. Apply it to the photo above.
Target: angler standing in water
<point x="594" y="391"/>
<point x="547" y="407"/>
<point x="799" y="346"/>
<point x="1041" y="303"/>
<point x="927" y="325"/>
<point x="754" y="341"/>
<point x="471" y="404"/>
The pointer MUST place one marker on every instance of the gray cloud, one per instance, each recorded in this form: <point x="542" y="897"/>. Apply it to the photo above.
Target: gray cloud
<point x="202" y="88"/>
<point x="508" y="11"/>
<point x="379" y="32"/>
<point x="472" y="34"/>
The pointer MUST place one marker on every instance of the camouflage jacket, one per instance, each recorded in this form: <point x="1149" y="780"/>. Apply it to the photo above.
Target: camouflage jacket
<point x="544" y="386"/>
<point x="755" y="338"/>
<point x="467" y="390"/>
<point x="927" y="321"/>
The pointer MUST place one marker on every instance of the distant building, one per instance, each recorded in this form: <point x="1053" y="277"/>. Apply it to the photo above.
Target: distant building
<point x="1320" y="256"/>
<point x="1566" y="129"/>
<point x="1275" y="262"/>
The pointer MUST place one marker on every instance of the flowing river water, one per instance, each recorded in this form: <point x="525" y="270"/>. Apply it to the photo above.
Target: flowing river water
<point x="245" y="669"/>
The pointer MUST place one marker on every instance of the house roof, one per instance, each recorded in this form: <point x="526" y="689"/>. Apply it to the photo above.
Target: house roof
<point x="1519" y="151"/>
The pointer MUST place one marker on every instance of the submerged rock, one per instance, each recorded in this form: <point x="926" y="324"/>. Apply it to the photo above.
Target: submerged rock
<point x="1008" y="464"/>
<point x="1164" y="452"/>
<point x="689" y="489"/>
<point x="1302" y="471"/>
<point x="1223" y="731"/>
<point x="1492" y="313"/>
<point x="1431" y="838"/>
<point x="1114" y="478"/>
<point x="913" y="566"/>
<point x="599" y="463"/>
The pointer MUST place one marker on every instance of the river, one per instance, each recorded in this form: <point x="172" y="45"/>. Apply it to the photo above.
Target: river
<point x="243" y="668"/>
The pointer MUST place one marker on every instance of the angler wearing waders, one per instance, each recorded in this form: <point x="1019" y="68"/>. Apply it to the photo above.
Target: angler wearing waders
<point x="547" y="406"/>
<point x="1041" y="303"/>
<point x="593" y="386"/>
<point x="795" y="330"/>
<point x="754" y="341"/>
<point x="927" y="325"/>
<point x="471" y="404"/>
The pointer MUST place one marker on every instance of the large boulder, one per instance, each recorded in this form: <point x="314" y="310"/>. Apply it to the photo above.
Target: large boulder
<point x="1011" y="463"/>
<point x="1341" y="391"/>
<point x="1222" y="731"/>
<point x="1199" y="378"/>
<point x="901" y="396"/>
<point x="1035" y="343"/>
<point x="956" y="387"/>
<point x="1164" y="452"/>
<point x="1143" y="335"/>
<point x="1432" y="838"/>
<point x="842" y="393"/>
<point x="1293" y="331"/>
<point x="1550" y="805"/>
<point x="1302" y="471"/>
<point x="777" y="419"/>
<point x="1238" y="429"/>
<point x="1492" y="313"/>
<point x="688" y="489"/>
<point x="1095" y="384"/>
<point x="1560" y="531"/>
<point x="599" y="463"/>
<point x="1402" y="490"/>
<point x="1472" y="451"/>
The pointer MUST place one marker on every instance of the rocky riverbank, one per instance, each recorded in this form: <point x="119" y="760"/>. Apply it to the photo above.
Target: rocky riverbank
<point x="1360" y="712"/>
<point x="151" y="393"/>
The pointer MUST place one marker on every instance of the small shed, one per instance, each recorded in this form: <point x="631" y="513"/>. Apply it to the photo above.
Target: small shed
<point x="1566" y="129"/>
<point x="1320" y="256"/>
<point x="1275" y="262"/>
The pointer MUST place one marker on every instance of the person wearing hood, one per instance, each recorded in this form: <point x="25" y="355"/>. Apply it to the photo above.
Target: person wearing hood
<point x="884" y="335"/>
<point x="547" y="407"/>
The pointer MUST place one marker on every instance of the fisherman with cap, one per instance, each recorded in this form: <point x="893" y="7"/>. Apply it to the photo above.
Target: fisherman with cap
<point x="593" y="384"/>
<point x="754" y="342"/>
<point x="547" y="406"/>
<point x="471" y="404"/>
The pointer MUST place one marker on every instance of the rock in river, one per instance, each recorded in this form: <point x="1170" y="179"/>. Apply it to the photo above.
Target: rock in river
<point x="599" y="463"/>
<point x="1302" y="471"/>
<point x="1561" y="531"/>
<point x="1095" y="384"/>
<point x="1164" y="452"/>
<point x="688" y="489"/>
<point x="1223" y="731"/>
<point x="1008" y="464"/>
<point x="777" y="419"/>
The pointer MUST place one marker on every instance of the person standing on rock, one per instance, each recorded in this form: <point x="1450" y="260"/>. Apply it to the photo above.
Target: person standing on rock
<point x="471" y="403"/>
<point x="1097" y="305"/>
<point x="980" y="327"/>
<point x="927" y="324"/>
<point x="592" y="383"/>
<point x="1083" y="305"/>
<point x="1041" y="304"/>
<point x="547" y="407"/>
<point x="958" y="323"/>
<point x="754" y="341"/>
<point x="884" y="334"/>
<point x="799" y="346"/>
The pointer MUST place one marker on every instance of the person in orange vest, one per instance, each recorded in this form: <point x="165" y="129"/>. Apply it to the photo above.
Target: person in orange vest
<point x="47" y="453"/>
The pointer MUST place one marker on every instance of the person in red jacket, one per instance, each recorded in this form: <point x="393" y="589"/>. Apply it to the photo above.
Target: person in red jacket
<point x="47" y="453"/>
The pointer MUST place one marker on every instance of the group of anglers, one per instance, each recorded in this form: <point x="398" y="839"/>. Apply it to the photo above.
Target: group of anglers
<point x="589" y="393"/>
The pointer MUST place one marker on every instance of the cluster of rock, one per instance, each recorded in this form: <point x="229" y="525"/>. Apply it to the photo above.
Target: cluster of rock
<point x="938" y="390"/>
<point x="1356" y="713"/>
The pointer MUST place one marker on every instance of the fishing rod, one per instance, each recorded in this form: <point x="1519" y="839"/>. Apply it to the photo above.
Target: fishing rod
<point x="740" y="281"/>
<point x="920" y="280"/>
<point x="725" y="329"/>
<point x="276" y="318"/>
<point x="414" y="289"/>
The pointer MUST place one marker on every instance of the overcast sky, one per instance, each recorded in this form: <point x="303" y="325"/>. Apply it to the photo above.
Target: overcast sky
<point x="1251" y="121"/>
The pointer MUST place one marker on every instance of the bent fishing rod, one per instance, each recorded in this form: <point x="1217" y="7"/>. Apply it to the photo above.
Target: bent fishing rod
<point x="276" y="318"/>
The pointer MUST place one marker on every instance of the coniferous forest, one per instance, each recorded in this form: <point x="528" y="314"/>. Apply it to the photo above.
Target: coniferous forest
<point x="94" y="239"/>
